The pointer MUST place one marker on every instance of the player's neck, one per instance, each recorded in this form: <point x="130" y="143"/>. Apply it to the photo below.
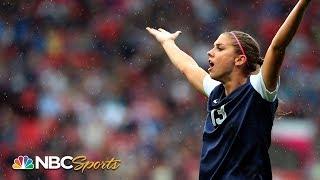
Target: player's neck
<point x="236" y="81"/>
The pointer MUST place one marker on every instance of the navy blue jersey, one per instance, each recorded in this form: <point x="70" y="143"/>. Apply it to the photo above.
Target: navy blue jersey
<point x="237" y="135"/>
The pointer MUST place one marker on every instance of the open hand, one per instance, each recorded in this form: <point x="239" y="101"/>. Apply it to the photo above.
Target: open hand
<point x="162" y="35"/>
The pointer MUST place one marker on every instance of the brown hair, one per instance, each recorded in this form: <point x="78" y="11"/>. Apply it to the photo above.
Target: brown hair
<point x="251" y="50"/>
<point x="250" y="47"/>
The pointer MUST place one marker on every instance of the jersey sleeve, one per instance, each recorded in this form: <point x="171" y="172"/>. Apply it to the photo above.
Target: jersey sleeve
<point x="259" y="85"/>
<point x="209" y="84"/>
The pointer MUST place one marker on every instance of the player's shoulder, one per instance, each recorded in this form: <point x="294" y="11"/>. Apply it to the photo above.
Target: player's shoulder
<point x="258" y="84"/>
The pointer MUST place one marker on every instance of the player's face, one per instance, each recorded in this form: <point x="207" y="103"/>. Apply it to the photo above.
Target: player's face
<point x="222" y="58"/>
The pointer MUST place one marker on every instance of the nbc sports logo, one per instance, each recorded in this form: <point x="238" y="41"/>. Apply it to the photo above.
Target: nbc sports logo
<point x="78" y="163"/>
<point x="23" y="162"/>
<point x="50" y="162"/>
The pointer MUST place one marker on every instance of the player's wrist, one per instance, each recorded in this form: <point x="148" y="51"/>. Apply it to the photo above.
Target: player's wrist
<point x="167" y="42"/>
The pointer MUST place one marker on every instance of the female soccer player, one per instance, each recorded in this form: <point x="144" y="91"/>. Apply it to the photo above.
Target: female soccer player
<point x="241" y="106"/>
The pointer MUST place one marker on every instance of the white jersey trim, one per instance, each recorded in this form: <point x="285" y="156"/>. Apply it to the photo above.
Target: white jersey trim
<point x="256" y="81"/>
<point x="209" y="84"/>
<point x="258" y="84"/>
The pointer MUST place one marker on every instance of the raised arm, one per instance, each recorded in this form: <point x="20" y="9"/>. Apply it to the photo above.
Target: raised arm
<point x="275" y="53"/>
<point x="182" y="61"/>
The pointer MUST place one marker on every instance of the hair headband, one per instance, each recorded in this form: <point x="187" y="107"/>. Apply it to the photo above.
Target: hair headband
<point x="239" y="44"/>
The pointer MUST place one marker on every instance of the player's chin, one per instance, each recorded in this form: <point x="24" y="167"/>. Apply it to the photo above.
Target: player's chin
<point x="210" y="70"/>
<point x="212" y="75"/>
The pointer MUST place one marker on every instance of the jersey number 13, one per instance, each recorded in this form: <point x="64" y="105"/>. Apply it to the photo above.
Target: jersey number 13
<point x="218" y="115"/>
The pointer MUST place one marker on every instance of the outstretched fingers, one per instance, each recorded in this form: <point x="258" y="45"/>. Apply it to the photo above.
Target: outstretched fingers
<point x="162" y="35"/>
<point x="162" y="30"/>
<point x="176" y="34"/>
<point x="151" y="30"/>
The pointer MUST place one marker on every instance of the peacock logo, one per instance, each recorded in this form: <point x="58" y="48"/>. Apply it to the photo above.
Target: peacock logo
<point x="23" y="162"/>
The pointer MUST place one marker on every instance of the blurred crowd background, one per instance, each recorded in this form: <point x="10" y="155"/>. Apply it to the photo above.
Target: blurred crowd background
<point x="80" y="77"/>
